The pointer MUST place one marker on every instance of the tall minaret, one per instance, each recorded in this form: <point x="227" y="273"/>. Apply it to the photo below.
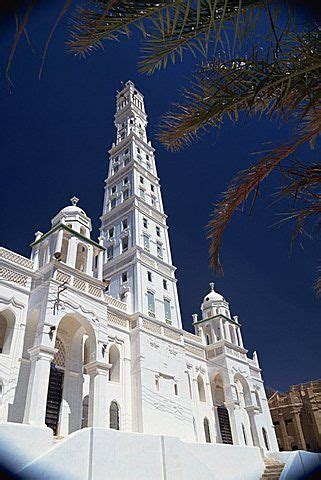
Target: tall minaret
<point x="138" y="259"/>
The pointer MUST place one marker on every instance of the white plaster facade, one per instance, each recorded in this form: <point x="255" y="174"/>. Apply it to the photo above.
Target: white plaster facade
<point x="103" y="320"/>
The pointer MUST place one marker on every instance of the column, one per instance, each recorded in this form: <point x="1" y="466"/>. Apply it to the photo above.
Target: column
<point x="100" y="264"/>
<point x="72" y="252"/>
<point x="239" y="335"/>
<point x="36" y="402"/>
<point x="213" y="334"/>
<point x="100" y="260"/>
<point x="299" y="431"/>
<point x="89" y="263"/>
<point x="199" y="431"/>
<point x="59" y="238"/>
<point x="97" y="414"/>
<point x="222" y="329"/>
<point x="254" y="432"/>
<point x="126" y="421"/>
<point x="35" y="257"/>
<point x="228" y="333"/>
<point x="286" y="442"/>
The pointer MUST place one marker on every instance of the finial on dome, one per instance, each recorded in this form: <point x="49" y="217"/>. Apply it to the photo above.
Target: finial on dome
<point x="74" y="201"/>
<point x="212" y="286"/>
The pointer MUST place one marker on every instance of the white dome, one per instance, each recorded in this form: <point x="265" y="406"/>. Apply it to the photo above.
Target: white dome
<point x="72" y="209"/>
<point x="71" y="214"/>
<point x="212" y="296"/>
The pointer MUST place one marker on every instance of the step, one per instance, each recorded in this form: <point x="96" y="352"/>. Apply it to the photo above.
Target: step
<point x="270" y="476"/>
<point x="274" y="467"/>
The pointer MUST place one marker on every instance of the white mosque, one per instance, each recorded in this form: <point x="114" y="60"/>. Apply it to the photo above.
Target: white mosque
<point x="98" y="379"/>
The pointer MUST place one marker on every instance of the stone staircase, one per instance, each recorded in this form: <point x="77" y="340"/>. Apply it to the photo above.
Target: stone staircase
<point x="273" y="469"/>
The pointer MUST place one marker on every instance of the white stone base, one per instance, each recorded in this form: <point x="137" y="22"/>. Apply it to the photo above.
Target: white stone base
<point x="97" y="454"/>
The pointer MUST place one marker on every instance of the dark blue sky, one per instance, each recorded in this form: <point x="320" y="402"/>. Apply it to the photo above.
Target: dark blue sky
<point x="54" y="138"/>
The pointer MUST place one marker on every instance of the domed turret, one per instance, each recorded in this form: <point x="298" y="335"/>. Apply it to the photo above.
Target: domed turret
<point x="214" y="304"/>
<point x="216" y="323"/>
<point x="74" y="217"/>
<point x="69" y="242"/>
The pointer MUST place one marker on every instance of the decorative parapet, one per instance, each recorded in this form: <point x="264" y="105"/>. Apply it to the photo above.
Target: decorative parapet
<point x="15" y="277"/>
<point x="191" y="336"/>
<point x="89" y="288"/>
<point x="16" y="258"/>
<point x="195" y="351"/>
<point x="114" y="302"/>
<point x="116" y="320"/>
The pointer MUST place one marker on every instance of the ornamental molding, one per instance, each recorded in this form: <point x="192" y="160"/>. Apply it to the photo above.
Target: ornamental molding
<point x="12" y="301"/>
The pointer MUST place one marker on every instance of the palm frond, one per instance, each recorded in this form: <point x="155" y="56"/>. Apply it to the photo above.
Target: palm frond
<point x="271" y="85"/>
<point x="169" y="27"/>
<point x="249" y="180"/>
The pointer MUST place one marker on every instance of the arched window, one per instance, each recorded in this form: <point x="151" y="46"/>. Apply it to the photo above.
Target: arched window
<point x="114" y="359"/>
<point x="243" y="391"/>
<point x="81" y="258"/>
<point x="265" y="438"/>
<point x="232" y="334"/>
<point x="201" y="389"/>
<point x="257" y="399"/>
<point x="217" y="390"/>
<point x="7" y="322"/>
<point x="208" y="340"/>
<point x="207" y="430"/>
<point x="244" y="434"/>
<point x="114" y="416"/>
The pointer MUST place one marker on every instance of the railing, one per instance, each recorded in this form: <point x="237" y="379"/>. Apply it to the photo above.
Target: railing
<point x="15" y="258"/>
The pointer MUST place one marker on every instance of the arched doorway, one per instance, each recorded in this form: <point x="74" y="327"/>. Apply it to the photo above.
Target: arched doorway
<point x="223" y="418"/>
<point x="67" y="405"/>
<point x="247" y="422"/>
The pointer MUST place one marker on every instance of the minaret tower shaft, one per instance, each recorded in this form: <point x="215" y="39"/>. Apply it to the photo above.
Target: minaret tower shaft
<point x="138" y="259"/>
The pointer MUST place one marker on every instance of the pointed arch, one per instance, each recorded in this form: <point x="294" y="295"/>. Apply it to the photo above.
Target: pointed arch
<point x="81" y="257"/>
<point x="114" y="415"/>
<point x="243" y="390"/>
<point x="201" y="389"/>
<point x="217" y="390"/>
<point x="7" y="324"/>
<point x="114" y="360"/>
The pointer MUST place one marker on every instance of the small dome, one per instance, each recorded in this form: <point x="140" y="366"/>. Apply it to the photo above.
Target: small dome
<point x="72" y="209"/>
<point x="71" y="214"/>
<point x="212" y="296"/>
